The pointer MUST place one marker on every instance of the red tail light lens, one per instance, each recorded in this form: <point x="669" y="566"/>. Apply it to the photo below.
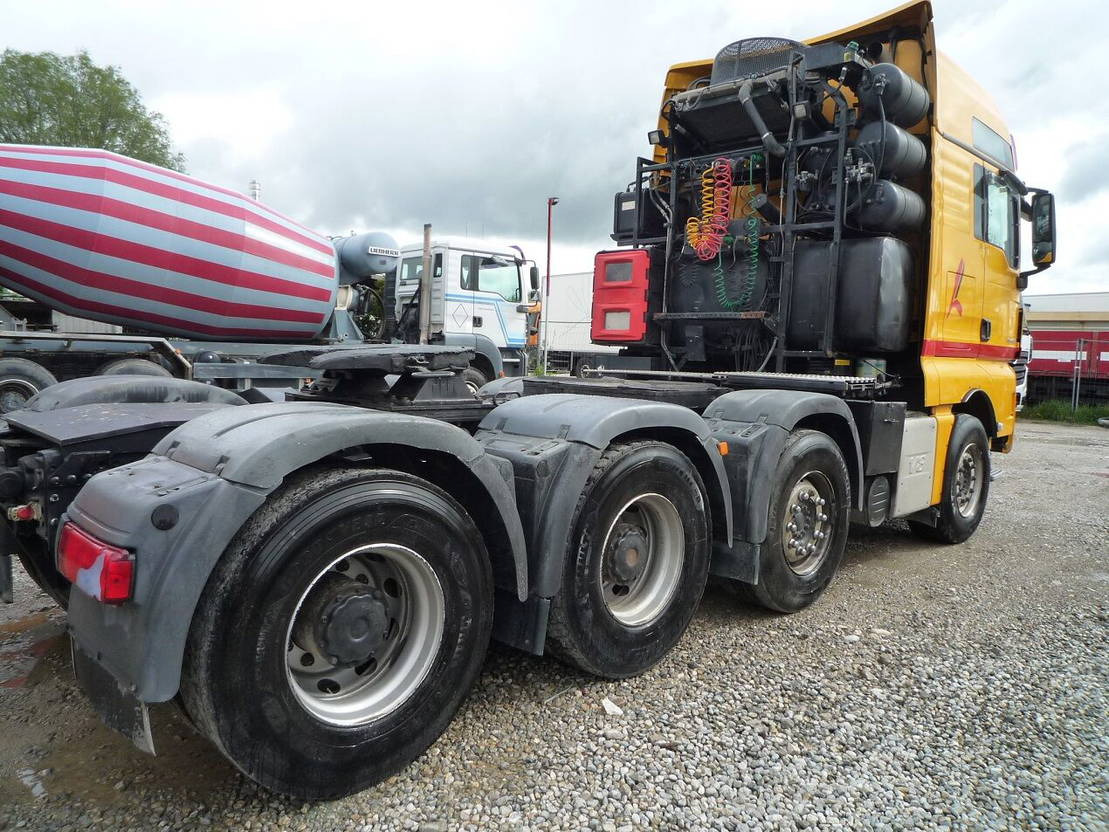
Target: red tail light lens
<point x="105" y="572"/>
<point x="620" y="281"/>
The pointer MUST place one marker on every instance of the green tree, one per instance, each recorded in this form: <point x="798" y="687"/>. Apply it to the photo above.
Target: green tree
<point x="67" y="100"/>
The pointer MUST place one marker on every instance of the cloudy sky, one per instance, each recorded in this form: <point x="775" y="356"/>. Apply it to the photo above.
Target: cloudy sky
<point x="366" y="115"/>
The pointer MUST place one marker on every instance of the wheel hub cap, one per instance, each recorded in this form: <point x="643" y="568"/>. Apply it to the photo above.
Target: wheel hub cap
<point x="969" y="477"/>
<point x="807" y="526"/>
<point x="629" y="558"/>
<point x="643" y="553"/>
<point x="345" y="620"/>
<point x="364" y="634"/>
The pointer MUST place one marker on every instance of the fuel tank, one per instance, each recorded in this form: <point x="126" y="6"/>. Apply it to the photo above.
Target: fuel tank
<point x="98" y="235"/>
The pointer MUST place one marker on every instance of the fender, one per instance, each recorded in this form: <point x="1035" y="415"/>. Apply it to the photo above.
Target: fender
<point x="211" y="474"/>
<point x="481" y="344"/>
<point x="554" y="441"/>
<point x="756" y="425"/>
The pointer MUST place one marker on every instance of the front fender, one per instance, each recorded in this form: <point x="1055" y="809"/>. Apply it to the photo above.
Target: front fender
<point x="215" y="471"/>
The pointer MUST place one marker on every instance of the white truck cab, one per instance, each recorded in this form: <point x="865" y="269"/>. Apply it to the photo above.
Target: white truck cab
<point x="480" y="294"/>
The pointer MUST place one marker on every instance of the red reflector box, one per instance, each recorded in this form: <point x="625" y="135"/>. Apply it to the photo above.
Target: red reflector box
<point x="620" y="281"/>
<point x="105" y="572"/>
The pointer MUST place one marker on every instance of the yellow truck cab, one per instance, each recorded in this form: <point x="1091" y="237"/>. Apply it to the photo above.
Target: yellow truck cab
<point x="950" y="200"/>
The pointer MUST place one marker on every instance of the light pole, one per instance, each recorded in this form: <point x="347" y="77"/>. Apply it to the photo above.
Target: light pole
<point x="552" y="201"/>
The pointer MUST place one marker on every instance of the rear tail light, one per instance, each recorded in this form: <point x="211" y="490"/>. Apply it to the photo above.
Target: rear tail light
<point x="620" y="281"/>
<point x="105" y="572"/>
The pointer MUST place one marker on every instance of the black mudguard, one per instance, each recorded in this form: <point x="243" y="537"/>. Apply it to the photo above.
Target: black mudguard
<point x="212" y="473"/>
<point x="554" y="441"/>
<point x="756" y="425"/>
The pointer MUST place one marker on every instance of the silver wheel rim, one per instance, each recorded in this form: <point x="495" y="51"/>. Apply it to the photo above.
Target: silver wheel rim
<point x="14" y="394"/>
<point x="643" y="554"/>
<point x="807" y="525"/>
<point x="970" y="473"/>
<point x="409" y="591"/>
<point x="473" y="387"/>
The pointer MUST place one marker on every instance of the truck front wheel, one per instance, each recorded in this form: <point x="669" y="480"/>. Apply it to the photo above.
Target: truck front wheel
<point x="966" y="484"/>
<point x="807" y="524"/>
<point x="340" y="632"/>
<point x="637" y="563"/>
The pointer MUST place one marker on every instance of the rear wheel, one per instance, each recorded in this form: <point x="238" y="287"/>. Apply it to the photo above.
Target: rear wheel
<point x="20" y="379"/>
<point x="807" y="523"/>
<point x="637" y="563"/>
<point x="966" y="484"/>
<point x="340" y="632"/>
<point x="475" y="379"/>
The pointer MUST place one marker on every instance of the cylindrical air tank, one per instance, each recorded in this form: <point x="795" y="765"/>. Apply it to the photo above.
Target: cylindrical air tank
<point x="102" y="236"/>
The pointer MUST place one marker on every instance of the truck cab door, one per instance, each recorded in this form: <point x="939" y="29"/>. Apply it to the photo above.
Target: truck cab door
<point x="997" y="227"/>
<point x="462" y="278"/>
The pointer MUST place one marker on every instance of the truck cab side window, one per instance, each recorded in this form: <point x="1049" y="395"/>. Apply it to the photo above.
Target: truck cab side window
<point x="468" y="275"/>
<point x="501" y="276"/>
<point x="995" y="213"/>
<point x="411" y="268"/>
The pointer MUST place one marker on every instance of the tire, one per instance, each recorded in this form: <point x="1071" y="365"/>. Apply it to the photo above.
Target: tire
<point x="285" y="720"/>
<point x="20" y="379"/>
<point x="475" y="379"/>
<point x="966" y="484"/>
<point x="612" y="618"/>
<point x="810" y="470"/>
<point x="133" y="367"/>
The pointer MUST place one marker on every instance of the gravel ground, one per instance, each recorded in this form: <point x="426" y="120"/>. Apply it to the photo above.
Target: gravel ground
<point x="932" y="687"/>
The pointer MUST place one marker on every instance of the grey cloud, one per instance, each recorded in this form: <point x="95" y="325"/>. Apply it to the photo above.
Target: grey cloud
<point x="1087" y="171"/>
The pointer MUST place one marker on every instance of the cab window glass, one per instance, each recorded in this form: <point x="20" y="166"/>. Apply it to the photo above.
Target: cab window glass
<point x="995" y="213"/>
<point x="499" y="275"/>
<point x="470" y="268"/>
<point x="991" y="143"/>
<point x="412" y="267"/>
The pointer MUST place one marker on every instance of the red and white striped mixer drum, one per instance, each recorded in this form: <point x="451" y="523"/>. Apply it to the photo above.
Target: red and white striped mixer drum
<point x="102" y="236"/>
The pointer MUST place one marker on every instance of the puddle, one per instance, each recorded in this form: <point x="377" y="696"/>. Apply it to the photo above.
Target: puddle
<point x="33" y="780"/>
<point x="23" y="644"/>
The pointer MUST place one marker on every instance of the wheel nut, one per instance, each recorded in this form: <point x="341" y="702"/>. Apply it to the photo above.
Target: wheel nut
<point x="820" y="535"/>
<point x="820" y="501"/>
<point x="823" y="518"/>
<point x="792" y="543"/>
<point x="792" y="527"/>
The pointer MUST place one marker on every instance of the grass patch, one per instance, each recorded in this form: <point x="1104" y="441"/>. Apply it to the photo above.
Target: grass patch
<point x="1058" y="410"/>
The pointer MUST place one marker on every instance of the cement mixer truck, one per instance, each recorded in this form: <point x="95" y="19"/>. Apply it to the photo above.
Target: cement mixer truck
<point x="195" y="281"/>
<point x="822" y="262"/>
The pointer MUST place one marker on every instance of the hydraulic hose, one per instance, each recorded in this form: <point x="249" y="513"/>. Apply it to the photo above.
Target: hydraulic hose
<point x="772" y="145"/>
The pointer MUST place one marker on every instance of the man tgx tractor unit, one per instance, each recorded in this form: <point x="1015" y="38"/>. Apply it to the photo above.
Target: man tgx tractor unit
<point x="822" y="269"/>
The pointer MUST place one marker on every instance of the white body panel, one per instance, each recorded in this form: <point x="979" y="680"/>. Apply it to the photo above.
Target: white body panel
<point x="914" y="473"/>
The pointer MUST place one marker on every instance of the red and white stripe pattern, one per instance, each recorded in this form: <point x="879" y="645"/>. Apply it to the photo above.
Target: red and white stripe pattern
<point x="102" y="236"/>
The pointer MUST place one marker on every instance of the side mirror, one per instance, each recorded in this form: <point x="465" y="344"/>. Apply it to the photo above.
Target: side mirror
<point x="1043" y="229"/>
<point x="533" y="274"/>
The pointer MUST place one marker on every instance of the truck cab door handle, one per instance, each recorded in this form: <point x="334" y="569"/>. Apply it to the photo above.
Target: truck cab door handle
<point x="987" y="328"/>
<point x="477" y="320"/>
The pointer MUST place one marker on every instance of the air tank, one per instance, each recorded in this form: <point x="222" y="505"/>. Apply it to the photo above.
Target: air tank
<point x="102" y="236"/>
<point x="899" y="152"/>
<point x="890" y="207"/>
<point x="904" y="100"/>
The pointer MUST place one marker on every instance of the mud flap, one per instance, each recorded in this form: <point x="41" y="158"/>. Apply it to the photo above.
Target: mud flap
<point x="118" y="709"/>
<point x="6" y="579"/>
